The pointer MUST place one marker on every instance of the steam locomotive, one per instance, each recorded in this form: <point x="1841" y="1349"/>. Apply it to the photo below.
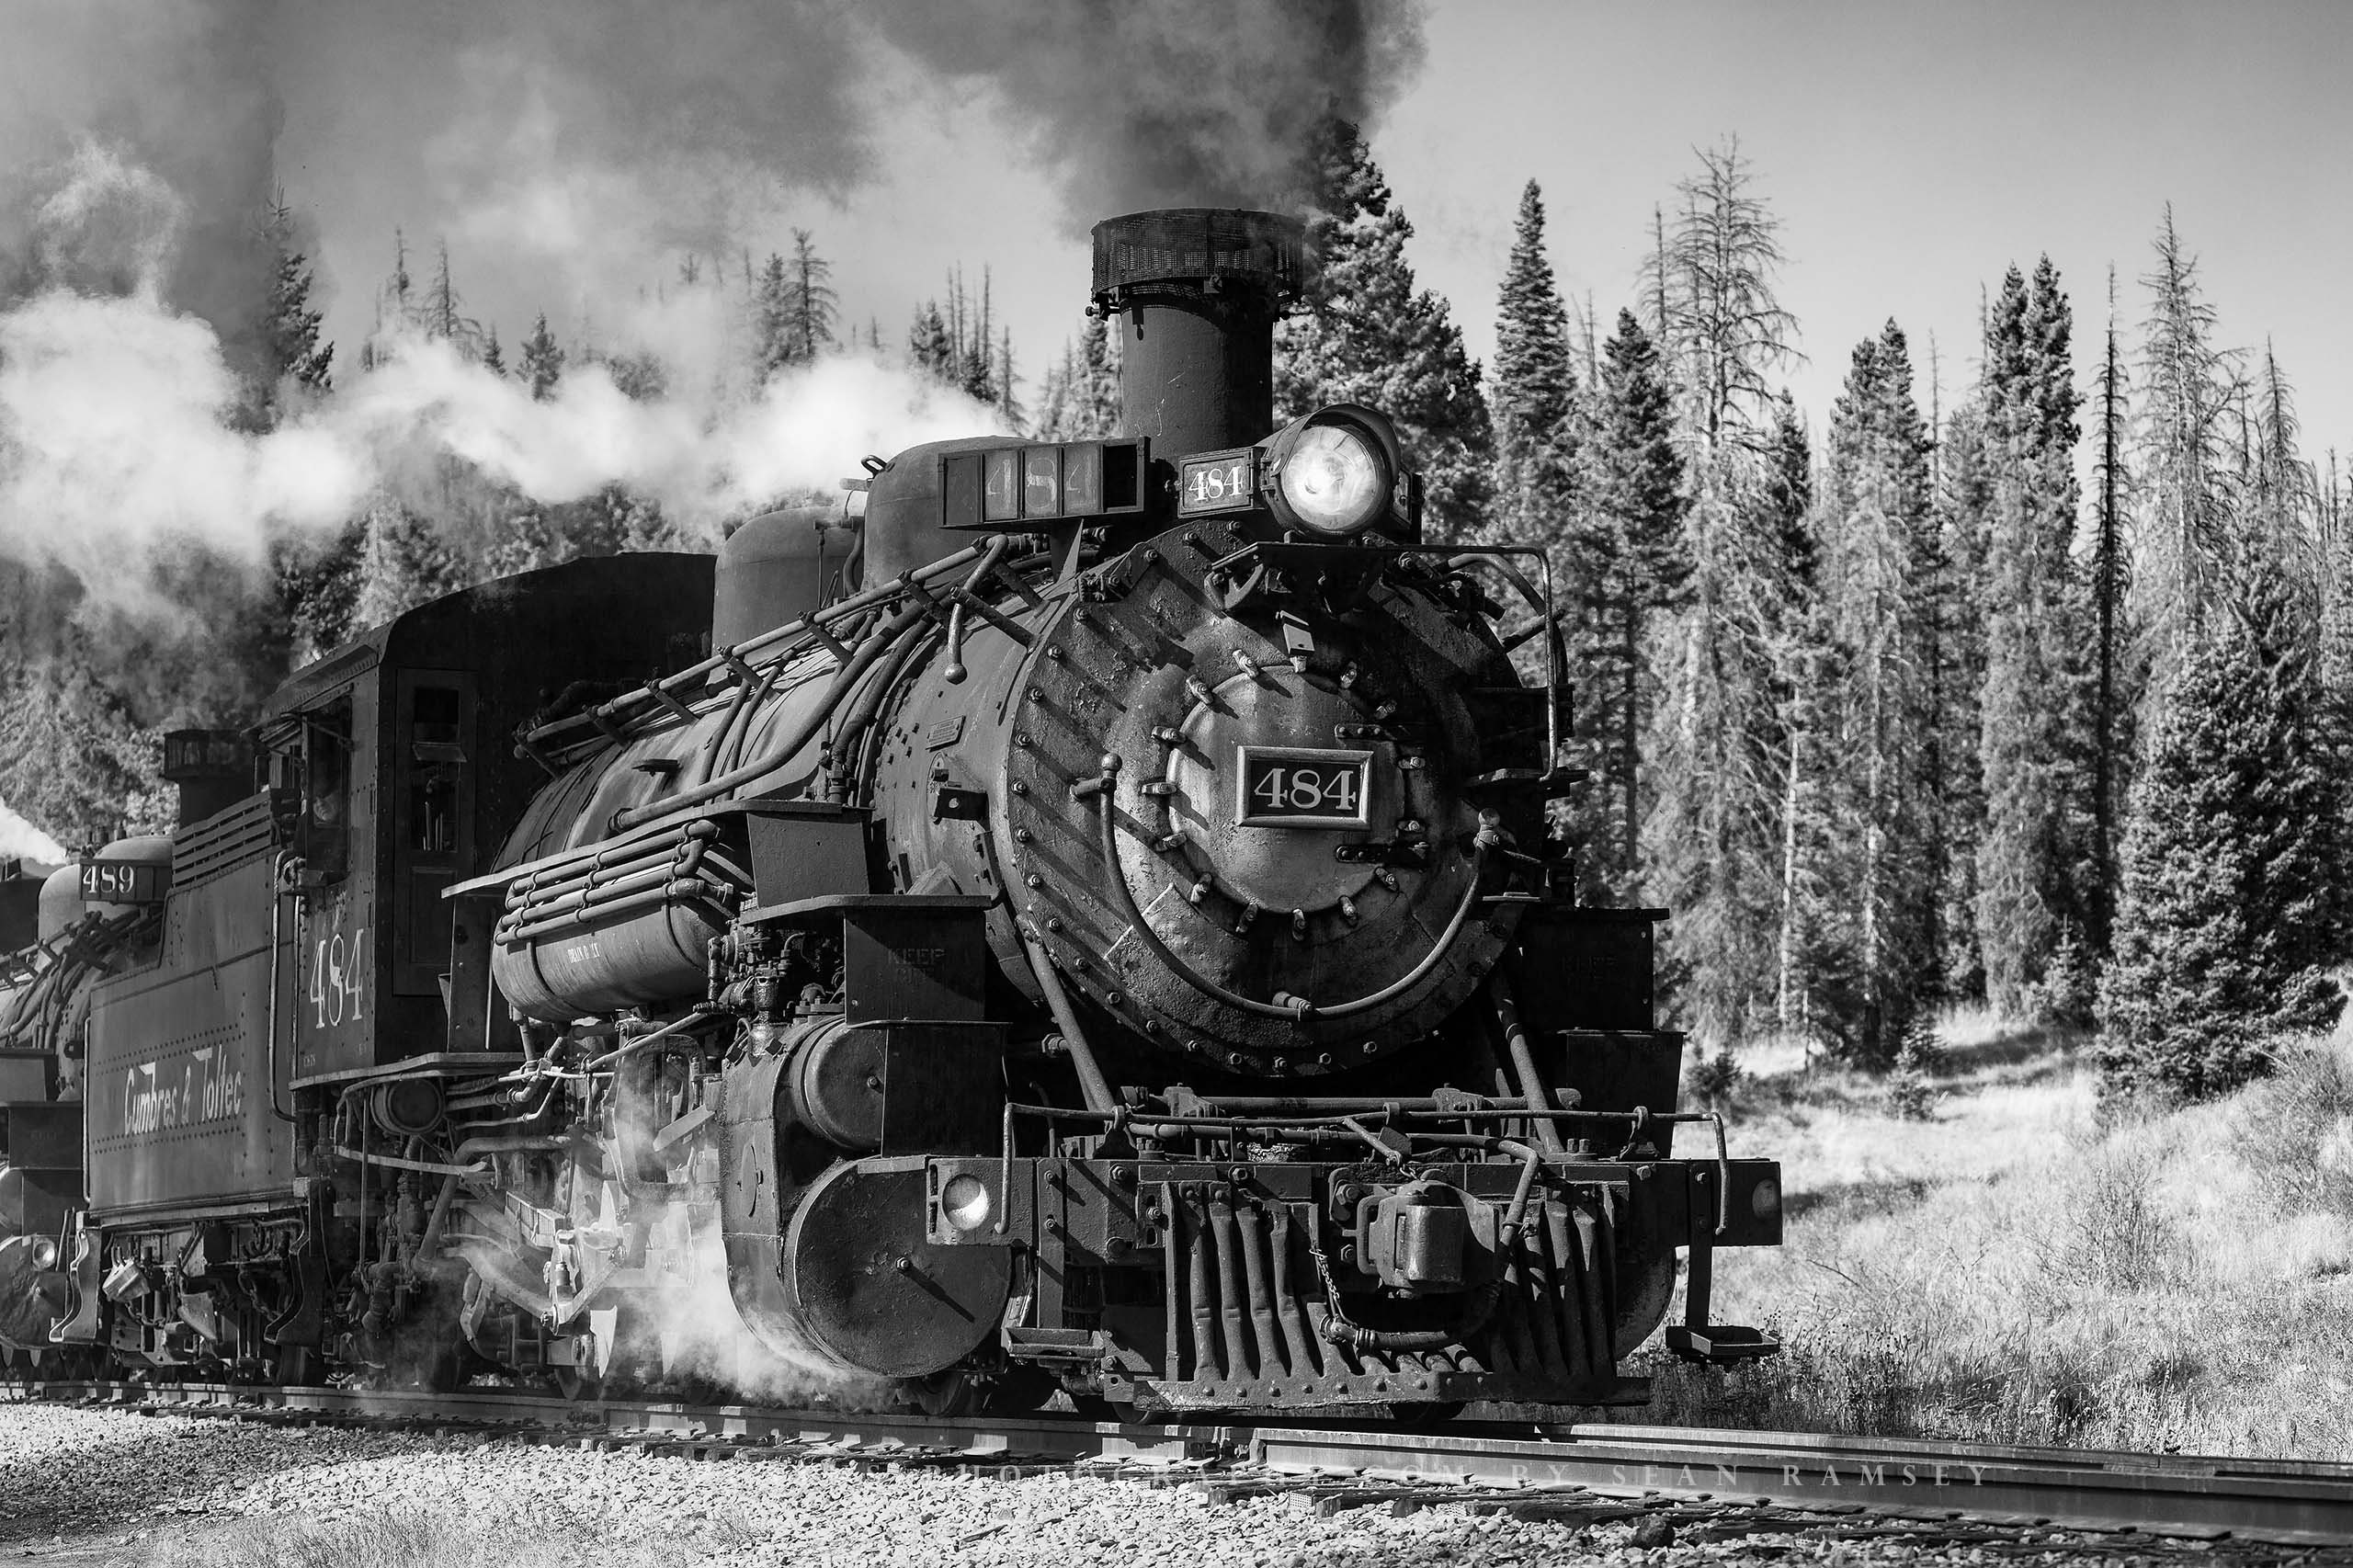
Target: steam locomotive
<point x="1088" y="924"/>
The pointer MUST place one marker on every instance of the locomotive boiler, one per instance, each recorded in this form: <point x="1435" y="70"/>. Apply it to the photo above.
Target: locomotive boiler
<point x="1088" y="924"/>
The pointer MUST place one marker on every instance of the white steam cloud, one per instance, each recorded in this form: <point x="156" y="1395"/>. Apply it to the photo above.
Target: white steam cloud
<point x="575" y="150"/>
<point x="114" y="436"/>
<point x="120" y="430"/>
<point x="21" y="839"/>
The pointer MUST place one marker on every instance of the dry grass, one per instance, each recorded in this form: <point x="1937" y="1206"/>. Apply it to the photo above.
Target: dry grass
<point x="414" y="1538"/>
<point x="2021" y="1268"/>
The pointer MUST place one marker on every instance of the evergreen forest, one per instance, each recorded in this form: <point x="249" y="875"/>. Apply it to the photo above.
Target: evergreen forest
<point x="2038" y="691"/>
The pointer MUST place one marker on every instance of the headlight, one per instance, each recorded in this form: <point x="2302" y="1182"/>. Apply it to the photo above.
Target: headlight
<point x="965" y="1201"/>
<point x="44" y="1253"/>
<point x="1334" y="472"/>
<point x="1333" y="480"/>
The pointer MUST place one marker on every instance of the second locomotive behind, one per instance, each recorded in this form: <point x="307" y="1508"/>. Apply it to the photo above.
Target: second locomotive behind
<point x="1091" y="927"/>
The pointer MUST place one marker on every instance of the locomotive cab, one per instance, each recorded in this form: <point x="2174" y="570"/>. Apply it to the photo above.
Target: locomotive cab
<point x="297" y="950"/>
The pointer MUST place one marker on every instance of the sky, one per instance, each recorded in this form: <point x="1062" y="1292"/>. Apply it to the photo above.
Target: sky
<point x="1911" y="151"/>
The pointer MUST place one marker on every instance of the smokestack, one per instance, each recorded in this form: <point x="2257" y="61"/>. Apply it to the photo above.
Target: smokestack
<point x="1196" y="291"/>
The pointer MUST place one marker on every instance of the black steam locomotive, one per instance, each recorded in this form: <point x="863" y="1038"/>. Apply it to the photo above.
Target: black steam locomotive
<point x="1089" y="926"/>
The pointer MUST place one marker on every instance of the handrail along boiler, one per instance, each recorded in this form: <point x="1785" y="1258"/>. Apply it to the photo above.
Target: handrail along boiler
<point x="1090" y="925"/>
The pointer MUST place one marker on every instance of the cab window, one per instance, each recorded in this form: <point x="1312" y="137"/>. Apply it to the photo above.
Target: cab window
<point x="327" y="791"/>
<point x="432" y="827"/>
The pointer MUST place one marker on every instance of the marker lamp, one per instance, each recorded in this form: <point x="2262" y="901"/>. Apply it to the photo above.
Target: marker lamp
<point x="965" y="1202"/>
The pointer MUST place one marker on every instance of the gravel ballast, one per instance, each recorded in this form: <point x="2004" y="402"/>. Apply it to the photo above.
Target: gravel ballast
<point x="90" y="1485"/>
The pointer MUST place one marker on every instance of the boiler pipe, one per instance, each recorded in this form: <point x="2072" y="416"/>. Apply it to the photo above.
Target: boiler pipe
<point x="777" y="756"/>
<point x="786" y="639"/>
<point x="1092" y="1084"/>
<point x="1523" y="1060"/>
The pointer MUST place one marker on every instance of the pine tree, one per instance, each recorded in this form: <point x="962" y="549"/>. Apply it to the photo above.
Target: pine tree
<point x="2030" y="750"/>
<point x="1055" y="418"/>
<point x="773" y="344"/>
<point x="2282" y="493"/>
<point x="494" y="357"/>
<point x="290" y="332"/>
<point x="1080" y="400"/>
<point x="442" y="314"/>
<point x="1366" y="333"/>
<point x="974" y="356"/>
<point x="404" y="562"/>
<point x="395" y="308"/>
<point x="1965" y="504"/>
<point x="1005" y="378"/>
<point x="1534" y="396"/>
<point x="2112" y="686"/>
<point x="1796" y="638"/>
<point x="318" y="581"/>
<point x="811" y="307"/>
<point x="541" y="366"/>
<point x="640" y="376"/>
<point x="72" y="755"/>
<point x="1724" y="329"/>
<point x="2188" y="400"/>
<point x="1881" y="566"/>
<point x="2232" y="908"/>
<point x="1095" y="395"/>
<point x="929" y="347"/>
<point x="1637" y="567"/>
<point x="2333" y="577"/>
<point x="1713" y="842"/>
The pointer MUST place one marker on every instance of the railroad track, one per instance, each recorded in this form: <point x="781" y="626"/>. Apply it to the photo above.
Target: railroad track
<point x="1694" y="1483"/>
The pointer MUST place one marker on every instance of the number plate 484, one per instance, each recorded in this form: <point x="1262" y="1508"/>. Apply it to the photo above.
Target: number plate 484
<point x="1303" y="787"/>
<point x="1218" y="482"/>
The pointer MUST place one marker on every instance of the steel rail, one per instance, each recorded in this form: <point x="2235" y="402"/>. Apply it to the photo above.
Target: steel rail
<point x="1884" y="1482"/>
<point x="2290" y="1501"/>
